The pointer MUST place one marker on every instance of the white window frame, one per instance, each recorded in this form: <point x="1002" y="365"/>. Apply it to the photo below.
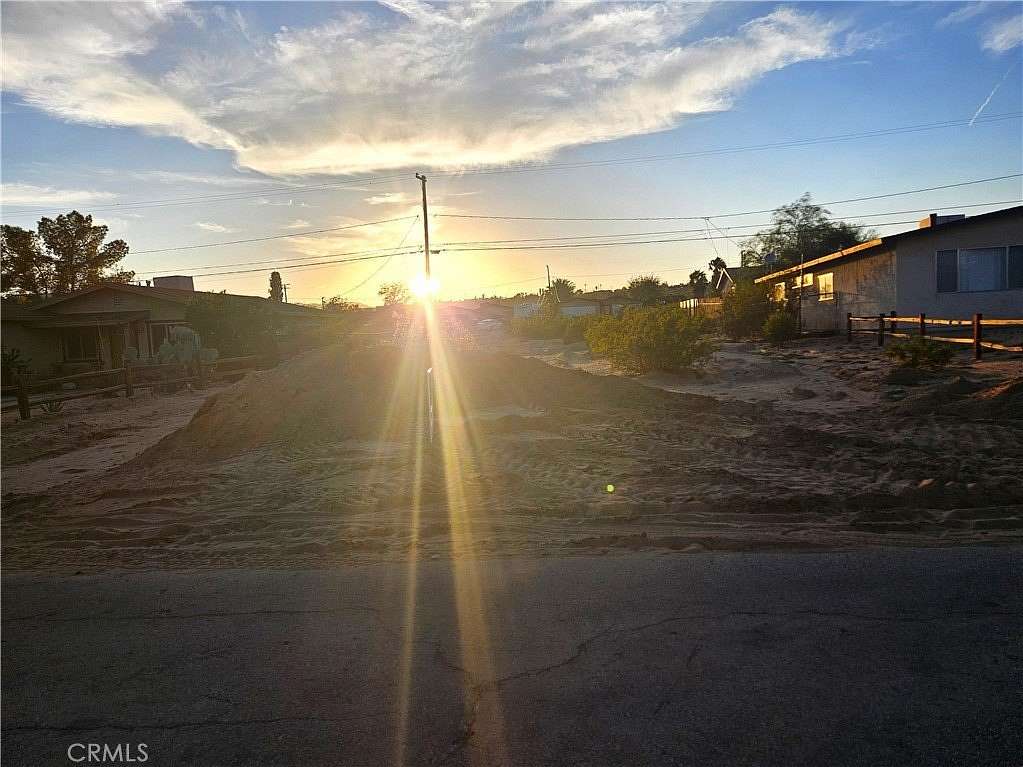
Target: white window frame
<point x="959" y="252"/>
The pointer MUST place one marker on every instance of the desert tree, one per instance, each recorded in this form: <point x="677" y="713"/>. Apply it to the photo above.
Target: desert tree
<point x="63" y="255"/>
<point x="394" y="293"/>
<point x="699" y="281"/>
<point x="339" y="304"/>
<point x="563" y="288"/>
<point x="801" y="230"/>
<point x="276" y="287"/>
<point x="647" y="289"/>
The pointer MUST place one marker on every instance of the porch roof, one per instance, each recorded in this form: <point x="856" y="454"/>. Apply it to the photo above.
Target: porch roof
<point x="91" y="319"/>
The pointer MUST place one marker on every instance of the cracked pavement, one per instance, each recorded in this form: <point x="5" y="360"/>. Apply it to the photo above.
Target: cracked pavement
<point x="871" y="657"/>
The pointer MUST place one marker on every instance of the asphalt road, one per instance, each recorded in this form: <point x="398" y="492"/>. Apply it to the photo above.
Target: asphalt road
<point x="892" y="657"/>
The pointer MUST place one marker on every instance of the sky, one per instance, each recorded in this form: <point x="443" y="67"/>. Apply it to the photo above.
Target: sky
<point x="182" y="125"/>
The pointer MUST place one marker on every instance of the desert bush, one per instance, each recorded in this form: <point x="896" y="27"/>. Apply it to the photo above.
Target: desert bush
<point x="656" y="338"/>
<point x="920" y="353"/>
<point x="538" y="326"/>
<point x="13" y="364"/>
<point x="237" y="327"/>
<point x="745" y="309"/>
<point x="780" y="327"/>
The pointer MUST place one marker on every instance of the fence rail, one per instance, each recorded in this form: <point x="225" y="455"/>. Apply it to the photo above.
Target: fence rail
<point x="131" y="377"/>
<point x="888" y="325"/>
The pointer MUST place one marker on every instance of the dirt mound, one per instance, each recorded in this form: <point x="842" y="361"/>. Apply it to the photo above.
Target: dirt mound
<point x="968" y="399"/>
<point x="336" y="394"/>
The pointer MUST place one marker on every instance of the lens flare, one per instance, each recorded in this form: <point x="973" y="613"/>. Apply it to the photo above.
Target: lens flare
<point x="424" y="288"/>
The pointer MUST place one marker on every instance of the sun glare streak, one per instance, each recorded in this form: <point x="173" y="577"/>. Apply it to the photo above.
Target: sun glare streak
<point x="457" y="455"/>
<point x="411" y="588"/>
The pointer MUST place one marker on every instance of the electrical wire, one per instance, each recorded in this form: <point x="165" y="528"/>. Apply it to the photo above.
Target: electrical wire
<point x="727" y="215"/>
<point x="272" y="237"/>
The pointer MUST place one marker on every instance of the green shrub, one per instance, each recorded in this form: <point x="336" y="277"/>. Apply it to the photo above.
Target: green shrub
<point x="538" y="326"/>
<point x="656" y="338"/>
<point x="745" y="309"/>
<point x="920" y="353"/>
<point x="780" y="327"/>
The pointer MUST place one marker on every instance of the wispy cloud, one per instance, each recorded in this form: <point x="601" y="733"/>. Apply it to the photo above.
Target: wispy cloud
<point x="962" y="13"/>
<point x="566" y="74"/>
<point x="212" y="227"/>
<point x="29" y="194"/>
<point x="1004" y="35"/>
<point x="389" y="198"/>
<point x="298" y="223"/>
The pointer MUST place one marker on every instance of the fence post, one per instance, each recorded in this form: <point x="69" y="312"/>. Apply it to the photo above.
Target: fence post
<point x="129" y="381"/>
<point x="880" y="329"/>
<point x="894" y="326"/>
<point x="977" y="348"/>
<point x="923" y="324"/>
<point x="848" y="327"/>
<point x="24" y="409"/>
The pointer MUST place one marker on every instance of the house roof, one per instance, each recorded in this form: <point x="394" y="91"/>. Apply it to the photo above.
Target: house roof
<point x="737" y="274"/>
<point x="15" y="311"/>
<point x="891" y="240"/>
<point x="181" y="296"/>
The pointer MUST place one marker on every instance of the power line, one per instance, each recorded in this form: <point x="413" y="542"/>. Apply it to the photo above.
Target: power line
<point x="569" y="246"/>
<point x="720" y="229"/>
<point x="273" y="237"/>
<point x="532" y="167"/>
<point x="384" y="265"/>
<point x="573" y="246"/>
<point x="609" y="239"/>
<point x="727" y="215"/>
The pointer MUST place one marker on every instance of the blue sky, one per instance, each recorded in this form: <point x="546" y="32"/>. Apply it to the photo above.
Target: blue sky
<point x="164" y="102"/>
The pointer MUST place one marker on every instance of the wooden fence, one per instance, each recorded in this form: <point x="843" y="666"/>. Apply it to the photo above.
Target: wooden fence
<point x="126" y="379"/>
<point x="889" y="325"/>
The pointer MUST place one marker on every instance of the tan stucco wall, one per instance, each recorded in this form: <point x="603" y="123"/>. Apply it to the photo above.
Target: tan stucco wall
<point x="41" y="346"/>
<point x="863" y="287"/>
<point x="917" y="279"/>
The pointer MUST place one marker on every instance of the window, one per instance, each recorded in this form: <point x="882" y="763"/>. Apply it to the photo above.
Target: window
<point x="79" y="344"/>
<point x="974" y="270"/>
<point x="158" y="332"/>
<point x="807" y="280"/>
<point x="779" y="291"/>
<point x="826" y="287"/>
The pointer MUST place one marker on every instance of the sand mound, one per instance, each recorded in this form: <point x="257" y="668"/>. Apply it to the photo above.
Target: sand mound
<point x="335" y="394"/>
<point x="967" y="399"/>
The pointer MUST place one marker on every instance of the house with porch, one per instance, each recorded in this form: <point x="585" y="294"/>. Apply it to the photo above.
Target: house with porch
<point x="949" y="267"/>
<point x="92" y="328"/>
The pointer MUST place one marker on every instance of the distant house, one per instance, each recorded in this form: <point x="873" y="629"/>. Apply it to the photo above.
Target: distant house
<point x="578" y="304"/>
<point x="948" y="267"/>
<point x="91" y="329"/>
<point x="726" y="278"/>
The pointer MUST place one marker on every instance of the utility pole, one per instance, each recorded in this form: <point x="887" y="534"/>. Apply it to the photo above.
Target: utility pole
<point x="548" y="276"/>
<point x="426" y="226"/>
<point x="285" y="286"/>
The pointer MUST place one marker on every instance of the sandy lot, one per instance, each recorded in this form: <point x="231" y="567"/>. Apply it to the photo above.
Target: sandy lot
<point x="322" y="461"/>
<point x="88" y="436"/>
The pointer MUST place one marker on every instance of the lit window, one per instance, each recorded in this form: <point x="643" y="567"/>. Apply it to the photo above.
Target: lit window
<point x="779" y="291"/>
<point x="826" y="287"/>
<point x="807" y="280"/>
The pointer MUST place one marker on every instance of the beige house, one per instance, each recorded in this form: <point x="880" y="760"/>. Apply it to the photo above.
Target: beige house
<point x="949" y="267"/>
<point x="91" y="329"/>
